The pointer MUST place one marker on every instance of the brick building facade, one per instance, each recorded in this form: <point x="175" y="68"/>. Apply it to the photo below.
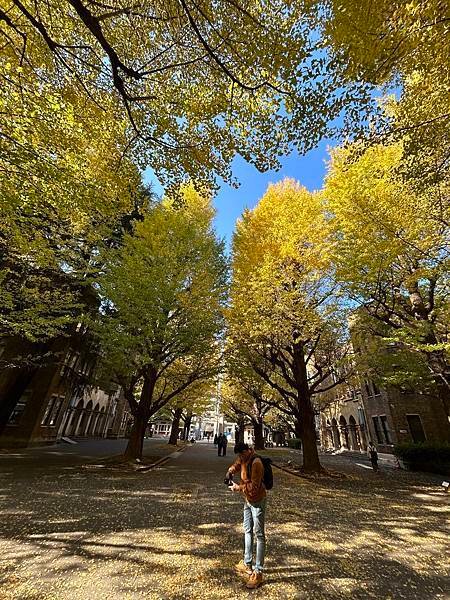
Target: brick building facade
<point x="57" y="401"/>
<point x="396" y="416"/>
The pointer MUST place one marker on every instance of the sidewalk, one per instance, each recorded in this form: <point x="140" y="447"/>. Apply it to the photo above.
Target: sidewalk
<point x="388" y="460"/>
<point x="174" y="533"/>
<point x="64" y="456"/>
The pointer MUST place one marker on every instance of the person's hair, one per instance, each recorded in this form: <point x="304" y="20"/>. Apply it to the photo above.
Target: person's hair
<point x="240" y="447"/>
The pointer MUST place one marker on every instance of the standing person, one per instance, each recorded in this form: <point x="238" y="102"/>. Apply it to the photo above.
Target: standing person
<point x="224" y="445"/>
<point x="252" y="487"/>
<point x="215" y="439"/>
<point x="219" y="444"/>
<point x="373" y="455"/>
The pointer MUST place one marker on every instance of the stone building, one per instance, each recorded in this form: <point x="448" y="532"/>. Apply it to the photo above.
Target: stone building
<point x="395" y="416"/>
<point x="403" y="413"/>
<point x="92" y="415"/>
<point x="45" y="396"/>
<point x="57" y="401"/>
<point x="342" y="420"/>
<point x="211" y="423"/>
<point x="161" y="428"/>
<point x="207" y="424"/>
<point x="354" y="415"/>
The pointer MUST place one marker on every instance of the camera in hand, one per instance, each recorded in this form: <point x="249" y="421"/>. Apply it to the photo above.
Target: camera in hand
<point x="228" y="479"/>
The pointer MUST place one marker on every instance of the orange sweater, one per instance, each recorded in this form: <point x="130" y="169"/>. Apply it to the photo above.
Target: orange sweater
<point x="252" y="487"/>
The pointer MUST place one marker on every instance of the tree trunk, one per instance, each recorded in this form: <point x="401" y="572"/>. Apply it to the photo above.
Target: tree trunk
<point x="241" y="429"/>
<point x="187" y="426"/>
<point x="297" y="427"/>
<point x="136" y="440"/>
<point x="175" y="426"/>
<point x="258" y="431"/>
<point x="141" y="417"/>
<point x="311" y="462"/>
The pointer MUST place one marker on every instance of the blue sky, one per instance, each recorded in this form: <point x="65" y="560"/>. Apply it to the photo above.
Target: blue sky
<point x="309" y="170"/>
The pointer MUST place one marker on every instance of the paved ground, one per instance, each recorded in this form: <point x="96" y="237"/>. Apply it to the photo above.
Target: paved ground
<point x="173" y="533"/>
<point x="66" y="455"/>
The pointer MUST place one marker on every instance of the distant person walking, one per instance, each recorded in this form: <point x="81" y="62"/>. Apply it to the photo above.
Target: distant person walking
<point x="252" y="487"/>
<point x="216" y="438"/>
<point x="222" y="445"/>
<point x="373" y="455"/>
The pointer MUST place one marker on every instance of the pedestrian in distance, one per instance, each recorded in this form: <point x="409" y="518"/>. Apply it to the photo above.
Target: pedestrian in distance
<point x="373" y="456"/>
<point x="215" y="439"/>
<point x="224" y="445"/>
<point x="252" y="487"/>
<point x="221" y="445"/>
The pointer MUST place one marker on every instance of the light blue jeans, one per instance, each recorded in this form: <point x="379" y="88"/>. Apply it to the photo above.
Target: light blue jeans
<point x="254" y="521"/>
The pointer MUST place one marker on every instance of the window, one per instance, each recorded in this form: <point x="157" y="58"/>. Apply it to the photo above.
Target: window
<point x="376" y="426"/>
<point x="17" y="413"/>
<point x="52" y="411"/>
<point x="416" y="428"/>
<point x="367" y="388"/>
<point x="386" y="432"/>
<point x="376" y="390"/>
<point x="55" y="412"/>
<point x="361" y="416"/>
<point x="48" y="410"/>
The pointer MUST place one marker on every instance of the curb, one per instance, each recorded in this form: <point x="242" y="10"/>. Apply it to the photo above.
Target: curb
<point x="111" y="457"/>
<point x="295" y="474"/>
<point x="288" y="471"/>
<point x="155" y="464"/>
<point x="160" y="461"/>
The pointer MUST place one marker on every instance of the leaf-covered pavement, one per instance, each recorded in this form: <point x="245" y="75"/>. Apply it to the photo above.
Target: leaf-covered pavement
<point x="175" y="532"/>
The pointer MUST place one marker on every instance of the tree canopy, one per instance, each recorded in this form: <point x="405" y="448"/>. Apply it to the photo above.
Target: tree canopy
<point x="195" y="83"/>
<point x="403" y="47"/>
<point x="392" y="250"/>
<point x="283" y="309"/>
<point x="162" y="293"/>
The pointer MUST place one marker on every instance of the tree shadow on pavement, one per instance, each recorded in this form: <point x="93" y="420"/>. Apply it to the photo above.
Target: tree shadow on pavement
<point x="175" y="532"/>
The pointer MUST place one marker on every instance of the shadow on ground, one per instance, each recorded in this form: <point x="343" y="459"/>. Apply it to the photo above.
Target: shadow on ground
<point x="174" y="533"/>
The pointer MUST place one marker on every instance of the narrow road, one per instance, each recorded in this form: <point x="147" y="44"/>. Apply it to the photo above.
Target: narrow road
<point x="63" y="455"/>
<point x="174" y="533"/>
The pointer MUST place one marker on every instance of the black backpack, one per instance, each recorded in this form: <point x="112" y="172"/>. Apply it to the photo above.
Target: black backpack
<point x="267" y="475"/>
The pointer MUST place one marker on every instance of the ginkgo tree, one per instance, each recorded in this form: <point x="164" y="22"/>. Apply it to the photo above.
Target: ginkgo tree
<point x="197" y="83"/>
<point x="283" y="307"/>
<point x="162" y="312"/>
<point x="64" y="194"/>
<point x="403" y="46"/>
<point x="392" y="252"/>
<point x="65" y="187"/>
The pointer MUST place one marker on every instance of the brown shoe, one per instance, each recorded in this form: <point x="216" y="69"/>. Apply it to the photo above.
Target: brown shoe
<point x="242" y="569"/>
<point x="255" y="580"/>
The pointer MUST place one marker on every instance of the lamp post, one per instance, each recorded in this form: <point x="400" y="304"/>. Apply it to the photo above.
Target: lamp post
<point x="216" y="407"/>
